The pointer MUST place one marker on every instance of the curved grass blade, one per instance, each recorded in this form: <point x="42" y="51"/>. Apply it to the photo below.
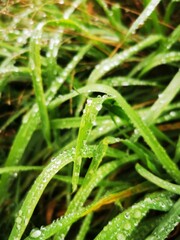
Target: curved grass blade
<point x="143" y="16"/>
<point x="123" y="225"/>
<point x="110" y="63"/>
<point x="164" y="99"/>
<point x="169" y="222"/>
<point x="162" y="58"/>
<point x="35" y="66"/>
<point x="157" y="181"/>
<point x="74" y="122"/>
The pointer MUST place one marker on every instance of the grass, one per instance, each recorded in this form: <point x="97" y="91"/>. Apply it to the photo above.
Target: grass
<point x="89" y="122"/>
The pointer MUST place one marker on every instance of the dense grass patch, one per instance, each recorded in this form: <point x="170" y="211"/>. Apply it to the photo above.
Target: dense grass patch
<point x="90" y="119"/>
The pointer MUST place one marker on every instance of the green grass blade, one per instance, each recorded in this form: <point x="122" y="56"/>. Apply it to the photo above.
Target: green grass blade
<point x="143" y="16"/>
<point x="128" y="220"/>
<point x="157" y="181"/>
<point x="110" y="63"/>
<point x="12" y="169"/>
<point x="68" y="12"/>
<point x="168" y="223"/>
<point x="162" y="58"/>
<point x="172" y="39"/>
<point x="92" y="108"/>
<point x="35" y="66"/>
<point x="85" y="227"/>
<point x="164" y="99"/>
<point x="75" y="211"/>
<point x="23" y="137"/>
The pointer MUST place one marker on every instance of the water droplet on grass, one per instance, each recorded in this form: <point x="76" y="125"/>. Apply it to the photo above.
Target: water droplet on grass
<point x="137" y="214"/>
<point x="127" y="226"/>
<point x="121" y="237"/>
<point x="35" y="233"/>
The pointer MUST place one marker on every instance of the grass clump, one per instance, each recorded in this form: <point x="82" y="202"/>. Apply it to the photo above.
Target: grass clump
<point x="89" y="120"/>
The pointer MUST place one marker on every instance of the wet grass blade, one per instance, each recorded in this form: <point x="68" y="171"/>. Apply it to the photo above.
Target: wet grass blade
<point x="164" y="99"/>
<point x="33" y="196"/>
<point x="169" y="222"/>
<point x="110" y="63"/>
<point x="128" y="220"/>
<point x="92" y="108"/>
<point x="35" y="66"/>
<point x="162" y="58"/>
<point x="143" y="16"/>
<point x="157" y="181"/>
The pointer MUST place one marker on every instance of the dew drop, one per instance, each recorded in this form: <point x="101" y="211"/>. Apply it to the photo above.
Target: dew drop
<point x="18" y="220"/>
<point x="98" y="107"/>
<point x="127" y="226"/>
<point x="89" y="101"/>
<point x="35" y="233"/>
<point x="137" y="214"/>
<point x="121" y="237"/>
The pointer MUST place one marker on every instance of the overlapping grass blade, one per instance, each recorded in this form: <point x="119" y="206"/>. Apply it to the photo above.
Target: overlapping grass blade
<point x="169" y="222"/>
<point x="128" y="220"/>
<point x="110" y="63"/>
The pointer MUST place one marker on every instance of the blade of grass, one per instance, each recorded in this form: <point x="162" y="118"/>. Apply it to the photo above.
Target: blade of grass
<point x="143" y="16"/>
<point x="162" y="58"/>
<point x="92" y="108"/>
<point x="110" y="63"/>
<point x="12" y="169"/>
<point x="35" y="66"/>
<point x="168" y="223"/>
<point x="164" y="99"/>
<point x="157" y="181"/>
